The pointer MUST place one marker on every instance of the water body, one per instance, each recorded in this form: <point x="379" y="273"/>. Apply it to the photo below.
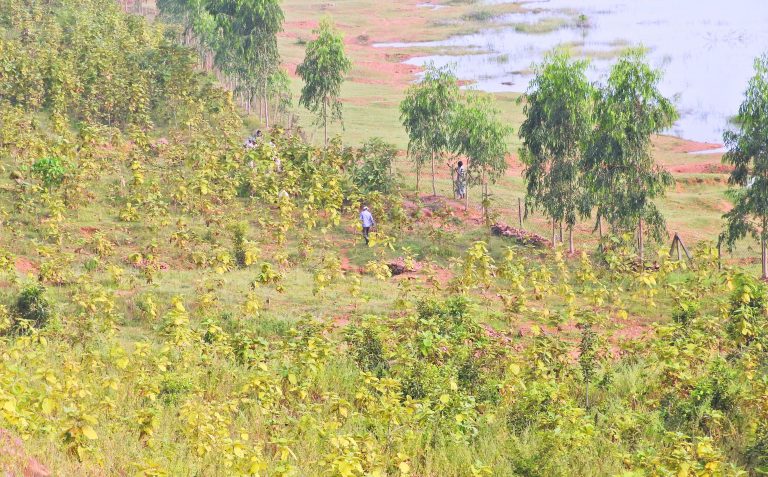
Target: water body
<point x="705" y="47"/>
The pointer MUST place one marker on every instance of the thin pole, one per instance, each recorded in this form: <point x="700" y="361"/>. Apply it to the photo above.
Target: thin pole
<point x="719" y="254"/>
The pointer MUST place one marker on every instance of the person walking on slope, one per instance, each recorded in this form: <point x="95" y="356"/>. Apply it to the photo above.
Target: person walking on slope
<point x="366" y="220"/>
<point x="461" y="181"/>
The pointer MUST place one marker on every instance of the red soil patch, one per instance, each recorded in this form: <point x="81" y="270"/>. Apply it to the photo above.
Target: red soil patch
<point x="443" y="275"/>
<point x="15" y="461"/>
<point x="341" y="321"/>
<point x="631" y="332"/>
<point x="687" y="147"/>
<point x="708" y="167"/>
<point x="88" y="231"/>
<point x="346" y="265"/>
<point x="724" y="206"/>
<point x="24" y="265"/>
<point x="516" y="166"/>
<point x="372" y="65"/>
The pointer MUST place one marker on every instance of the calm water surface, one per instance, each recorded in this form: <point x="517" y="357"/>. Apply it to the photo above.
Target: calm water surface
<point x="705" y="47"/>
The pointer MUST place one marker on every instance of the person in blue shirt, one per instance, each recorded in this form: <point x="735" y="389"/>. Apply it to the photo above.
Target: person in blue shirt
<point x="366" y="219"/>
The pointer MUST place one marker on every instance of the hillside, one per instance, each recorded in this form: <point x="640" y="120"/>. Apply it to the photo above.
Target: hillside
<point x="174" y="304"/>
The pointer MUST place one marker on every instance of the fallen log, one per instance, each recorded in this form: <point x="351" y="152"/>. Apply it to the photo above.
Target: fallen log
<point x="520" y="236"/>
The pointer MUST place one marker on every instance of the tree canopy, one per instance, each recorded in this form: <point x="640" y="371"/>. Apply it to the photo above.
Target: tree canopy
<point x="427" y="115"/>
<point x="748" y="154"/>
<point x="623" y="178"/>
<point x="323" y="70"/>
<point x="479" y="134"/>
<point x="558" y="108"/>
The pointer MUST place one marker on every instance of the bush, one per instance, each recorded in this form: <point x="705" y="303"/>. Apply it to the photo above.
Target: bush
<point x="748" y="291"/>
<point x="368" y="349"/>
<point x="50" y="170"/>
<point x="686" y="312"/>
<point x="373" y="168"/>
<point x="174" y="387"/>
<point x="747" y="321"/>
<point x="32" y="307"/>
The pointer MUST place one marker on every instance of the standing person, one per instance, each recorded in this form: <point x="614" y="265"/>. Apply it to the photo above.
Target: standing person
<point x="366" y="220"/>
<point x="461" y="181"/>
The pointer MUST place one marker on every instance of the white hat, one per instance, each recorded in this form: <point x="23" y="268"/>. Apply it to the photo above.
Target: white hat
<point x="365" y="207"/>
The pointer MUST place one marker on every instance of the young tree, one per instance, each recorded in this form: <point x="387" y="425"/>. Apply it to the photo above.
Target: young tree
<point x="557" y="121"/>
<point x="748" y="154"/>
<point x="323" y="70"/>
<point x="623" y="178"/>
<point x="479" y="134"/>
<point x="246" y="46"/>
<point x="426" y="113"/>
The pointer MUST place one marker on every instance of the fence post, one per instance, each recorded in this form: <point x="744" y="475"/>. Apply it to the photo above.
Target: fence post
<point x="672" y="247"/>
<point x="688" y="255"/>
<point x="719" y="253"/>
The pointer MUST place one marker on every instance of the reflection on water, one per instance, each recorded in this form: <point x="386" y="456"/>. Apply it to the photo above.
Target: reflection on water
<point x="706" y="48"/>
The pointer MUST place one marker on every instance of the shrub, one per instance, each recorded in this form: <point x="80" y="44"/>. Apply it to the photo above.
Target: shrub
<point x="50" y="171"/>
<point x="685" y="312"/>
<point x="32" y="307"/>
<point x="174" y="387"/>
<point x="368" y="349"/>
<point x="747" y="320"/>
<point x="373" y="169"/>
<point x="748" y="291"/>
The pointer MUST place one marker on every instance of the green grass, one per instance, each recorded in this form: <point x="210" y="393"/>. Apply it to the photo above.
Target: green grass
<point x="545" y="25"/>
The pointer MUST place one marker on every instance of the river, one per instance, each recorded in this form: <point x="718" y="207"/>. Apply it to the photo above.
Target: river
<point x="706" y="49"/>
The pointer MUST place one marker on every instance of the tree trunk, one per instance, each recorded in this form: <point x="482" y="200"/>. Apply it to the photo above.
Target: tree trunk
<point x="325" y="121"/>
<point x="418" y="177"/>
<point x="520" y="212"/>
<point x="466" y="189"/>
<point x="466" y="196"/>
<point x="600" y="227"/>
<point x="571" y="250"/>
<point x="561" y="232"/>
<point x="266" y="104"/>
<point x="640" y="242"/>
<point x="454" y="180"/>
<point x="434" y="190"/>
<point x="554" y="233"/>
<point x="586" y="395"/>
<point x="765" y="252"/>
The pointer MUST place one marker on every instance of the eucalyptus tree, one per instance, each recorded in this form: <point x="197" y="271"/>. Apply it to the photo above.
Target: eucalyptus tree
<point x="748" y="154"/>
<point x="246" y="44"/>
<point x="427" y="115"/>
<point x="558" y="112"/>
<point x="622" y="175"/>
<point x="479" y="134"/>
<point x="323" y="70"/>
<point x="199" y="24"/>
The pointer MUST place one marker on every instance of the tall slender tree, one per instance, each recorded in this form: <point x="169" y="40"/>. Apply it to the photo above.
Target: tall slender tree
<point x="748" y="154"/>
<point x="622" y="174"/>
<point x="324" y="69"/>
<point x="246" y="43"/>
<point x="557" y="122"/>
<point x="479" y="134"/>
<point x="426" y="113"/>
